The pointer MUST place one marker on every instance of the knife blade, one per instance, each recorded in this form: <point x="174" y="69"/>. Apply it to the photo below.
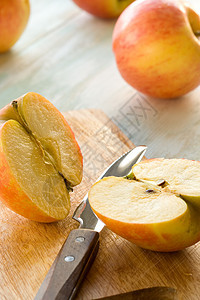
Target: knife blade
<point x="80" y="248"/>
<point x="153" y="293"/>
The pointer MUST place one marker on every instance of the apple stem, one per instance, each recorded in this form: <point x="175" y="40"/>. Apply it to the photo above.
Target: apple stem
<point x="130" y="176"/>
<point x="15" y="104"/>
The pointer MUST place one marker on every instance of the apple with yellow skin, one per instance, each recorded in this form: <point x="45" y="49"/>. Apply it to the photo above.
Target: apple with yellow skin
<point x="103" y="8"/>
<point x="14" y="15"/>
<point x="40" y="160"/>
<point x="157" y="207"/>
<point x="157" y="49"/>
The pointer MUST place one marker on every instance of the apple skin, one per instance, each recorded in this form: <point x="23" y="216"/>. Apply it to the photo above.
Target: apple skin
<point x="13" y="20"/>
<point x="161" y="237"/>
<point x="103" y="8"/>
<point x="156" y="49"/>
<point x="12" y="195"/>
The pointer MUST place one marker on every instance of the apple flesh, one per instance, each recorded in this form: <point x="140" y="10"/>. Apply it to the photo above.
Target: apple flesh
<point x="103" y="8"/>
<point x="181" y="176"/>
<point x="156" y="47"/>
<point x="13" y="20"/>
<point x="40" y="160"/>
<point x="159" y="209"/>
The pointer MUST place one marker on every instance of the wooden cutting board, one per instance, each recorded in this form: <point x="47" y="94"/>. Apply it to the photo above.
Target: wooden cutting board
<point x="28" y="249"/>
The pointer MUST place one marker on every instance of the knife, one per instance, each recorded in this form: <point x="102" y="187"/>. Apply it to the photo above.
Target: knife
<point x="153" y="293"/>
<point x="81" y="246"/>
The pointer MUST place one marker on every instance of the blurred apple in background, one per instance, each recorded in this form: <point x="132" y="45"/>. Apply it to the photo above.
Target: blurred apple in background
<point x="157" y="49"/>
<point x="103" y="8"/>
<point x="14" y="15"/>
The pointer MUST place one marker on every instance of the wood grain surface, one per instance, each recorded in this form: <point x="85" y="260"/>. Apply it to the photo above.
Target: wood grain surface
<point x="28" y="249"/>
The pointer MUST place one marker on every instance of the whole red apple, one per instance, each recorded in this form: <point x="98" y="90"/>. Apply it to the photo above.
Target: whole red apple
<point x="104" y="8"/>
<point x="14" y="15"/>
<point x="157" y="49"/>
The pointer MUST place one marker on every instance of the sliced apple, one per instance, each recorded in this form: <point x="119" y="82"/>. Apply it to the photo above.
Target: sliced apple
<point x="182" y="176"/>
<point x="40" y="160"/>
<point x="156" y="209"/>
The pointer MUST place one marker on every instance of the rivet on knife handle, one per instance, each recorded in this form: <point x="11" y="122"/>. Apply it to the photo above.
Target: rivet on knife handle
<point x="71" y="264"/>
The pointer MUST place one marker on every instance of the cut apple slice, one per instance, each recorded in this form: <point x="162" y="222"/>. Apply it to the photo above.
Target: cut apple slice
<point x="40" y="160"/>
<point x="182" y="176"/>
<point x="151" y="216"/>
<point x="133" y="201"/>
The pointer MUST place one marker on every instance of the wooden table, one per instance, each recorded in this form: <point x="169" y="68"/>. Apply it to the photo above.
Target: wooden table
<point x="66" y="55"/>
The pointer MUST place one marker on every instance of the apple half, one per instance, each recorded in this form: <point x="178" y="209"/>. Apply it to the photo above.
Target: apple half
<point x="40" y="160"/>
<point x="103" y="8"/>
<point x="157" y="207"/>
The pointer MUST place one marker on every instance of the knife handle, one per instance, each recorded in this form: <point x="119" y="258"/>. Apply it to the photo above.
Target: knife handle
<point x="70" y="266"/>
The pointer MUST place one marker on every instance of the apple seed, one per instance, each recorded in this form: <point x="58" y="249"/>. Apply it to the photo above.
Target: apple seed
<point x="150" y="191"/>
<point x="160" y="182"/>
